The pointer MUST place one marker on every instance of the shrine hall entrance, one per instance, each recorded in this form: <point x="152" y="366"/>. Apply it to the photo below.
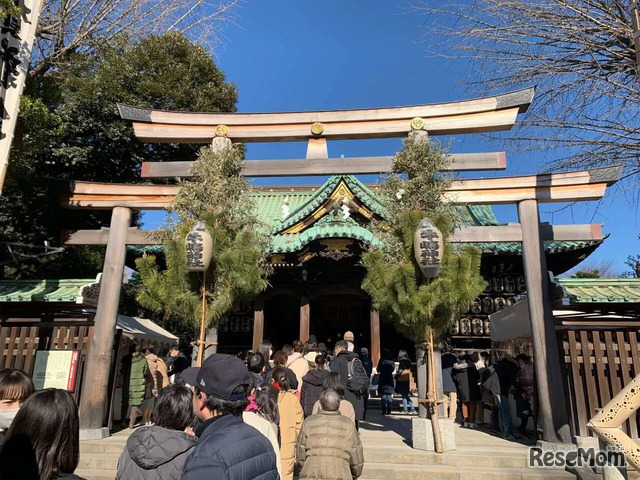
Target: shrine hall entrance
<point x="332" y="315"/>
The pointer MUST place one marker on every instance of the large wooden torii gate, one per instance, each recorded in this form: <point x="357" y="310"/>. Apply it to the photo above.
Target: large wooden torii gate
<point x="472" y="116"/>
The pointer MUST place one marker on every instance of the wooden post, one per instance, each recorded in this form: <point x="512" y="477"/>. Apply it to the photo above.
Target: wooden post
<point x="374" y="321"/>
<point x="304" y="318"/>
<point x="93" y="400"/>
<point x="202" y="325"/>
<point x="258" y="323"/>
<point x="550" y="382"/>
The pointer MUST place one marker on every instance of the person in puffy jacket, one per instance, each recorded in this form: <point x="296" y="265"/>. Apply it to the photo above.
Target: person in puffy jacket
<point x="137" y="383"/>
<point x="329" y="446"/>
<point x="228" y="448"/>
<point x="312" y="385"/>
<point x="159" y="452"/>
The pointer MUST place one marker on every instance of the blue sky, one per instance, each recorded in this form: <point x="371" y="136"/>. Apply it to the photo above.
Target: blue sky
<point x="336" y="54"/>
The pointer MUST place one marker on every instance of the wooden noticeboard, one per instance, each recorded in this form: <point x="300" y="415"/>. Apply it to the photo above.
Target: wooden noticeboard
<point x="55" y="369"/>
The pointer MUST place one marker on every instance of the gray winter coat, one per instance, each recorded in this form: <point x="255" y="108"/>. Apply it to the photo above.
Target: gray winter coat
<point x="155" y="453"/>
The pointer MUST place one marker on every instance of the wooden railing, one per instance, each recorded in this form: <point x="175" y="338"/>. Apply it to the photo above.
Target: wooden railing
<point x="599" y="363"/>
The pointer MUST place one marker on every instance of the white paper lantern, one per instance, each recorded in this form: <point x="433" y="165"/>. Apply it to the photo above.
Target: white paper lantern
<point x="199" y="246"/>
<point x="428" y="248"/>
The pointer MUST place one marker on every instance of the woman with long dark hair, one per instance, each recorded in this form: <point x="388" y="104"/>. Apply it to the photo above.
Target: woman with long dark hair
<point x="43" y="442"/>
<point x="266" y="349"/>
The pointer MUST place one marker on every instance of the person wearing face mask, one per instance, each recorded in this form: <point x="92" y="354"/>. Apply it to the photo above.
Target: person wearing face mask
<point x="15" y="387"/>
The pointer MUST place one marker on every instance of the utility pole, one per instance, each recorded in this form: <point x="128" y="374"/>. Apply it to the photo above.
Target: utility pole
<point x="635" y="25"/>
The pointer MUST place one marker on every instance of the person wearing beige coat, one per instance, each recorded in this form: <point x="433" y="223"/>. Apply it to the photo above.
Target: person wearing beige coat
<point x="291" y="416"/>
<point x="329" y="447"/>
<point x="299" y="365"/>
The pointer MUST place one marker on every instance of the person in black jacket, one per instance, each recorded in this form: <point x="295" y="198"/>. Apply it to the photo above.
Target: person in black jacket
<point x="228" y="448"/>
<point x="467" y="380"/>
<point x="340" y="364"/>
<point x="312" y="385"/>
<point x="176" y="363"/>
<point x="385" y="369"/>
<point x="368" y="368"/>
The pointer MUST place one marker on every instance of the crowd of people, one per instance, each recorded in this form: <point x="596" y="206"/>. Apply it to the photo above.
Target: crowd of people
<point x="473" y="383"/>
<point x="262" y="414"/>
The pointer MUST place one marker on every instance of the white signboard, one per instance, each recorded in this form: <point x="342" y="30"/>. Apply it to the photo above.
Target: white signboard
<point x="55" y="369"/>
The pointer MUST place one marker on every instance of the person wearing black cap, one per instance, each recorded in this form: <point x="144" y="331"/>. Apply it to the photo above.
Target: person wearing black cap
<point x="227" y="447"/>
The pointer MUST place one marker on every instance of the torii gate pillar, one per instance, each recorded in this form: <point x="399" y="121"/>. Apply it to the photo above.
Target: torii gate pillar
<point x="93" y="400"/>
<point x="547" y="362"/>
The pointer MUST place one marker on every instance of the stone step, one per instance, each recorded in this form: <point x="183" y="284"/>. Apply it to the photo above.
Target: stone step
<point x="470" y="472"/>
<point x="99" y="461"/>
<point x="458" y="457"/>
<point x="101" y="447"/>
<point x="96" y="474"/>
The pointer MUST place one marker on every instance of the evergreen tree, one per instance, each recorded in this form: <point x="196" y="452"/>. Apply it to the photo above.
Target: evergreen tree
<point x="423" y="310"/>
<point x="69" y="128"/>
<point x="218" y="195"/>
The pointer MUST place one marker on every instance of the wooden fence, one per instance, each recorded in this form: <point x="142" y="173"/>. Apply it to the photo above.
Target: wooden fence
<point x="19" y="342"/>
<point x="599" y="363"/>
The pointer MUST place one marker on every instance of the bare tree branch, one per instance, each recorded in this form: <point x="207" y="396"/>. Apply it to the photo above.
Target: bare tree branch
<point x="75" y="26"/>
<point x="579" y="53"/>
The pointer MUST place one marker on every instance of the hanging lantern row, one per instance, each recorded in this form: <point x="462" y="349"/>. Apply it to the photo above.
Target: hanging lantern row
<point x="199" y="248"/>
<point x="471" y="327"/>
<point x="235" y="324"/>
<point x="508" y="284"/>
<point x="489" y="305"/>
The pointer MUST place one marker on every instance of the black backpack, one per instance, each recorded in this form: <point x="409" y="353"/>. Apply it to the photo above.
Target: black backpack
<point x="357" y="378"/>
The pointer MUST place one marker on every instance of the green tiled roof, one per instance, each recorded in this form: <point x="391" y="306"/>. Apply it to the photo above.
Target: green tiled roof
<point x="66" y="290"/>
<point x="602" y="290"/>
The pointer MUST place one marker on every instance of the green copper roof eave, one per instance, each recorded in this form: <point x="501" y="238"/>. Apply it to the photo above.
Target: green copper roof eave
<point x="63" y="290"/>
<point x="290" y="243"/>
<point x="515" y="248"/>
<point x="602" y="290"/>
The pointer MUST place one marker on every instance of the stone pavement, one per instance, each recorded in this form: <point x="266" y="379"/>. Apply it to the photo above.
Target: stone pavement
<point x="388" y="455"/>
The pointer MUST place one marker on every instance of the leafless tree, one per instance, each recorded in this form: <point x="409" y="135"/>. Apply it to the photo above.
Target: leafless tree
<point x="579" y="53"/>
<point x="595" y="269"/>
<point x="70" y="26"/>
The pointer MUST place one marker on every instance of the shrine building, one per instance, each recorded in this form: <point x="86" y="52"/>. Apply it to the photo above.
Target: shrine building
<point x="317" y="237"/>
